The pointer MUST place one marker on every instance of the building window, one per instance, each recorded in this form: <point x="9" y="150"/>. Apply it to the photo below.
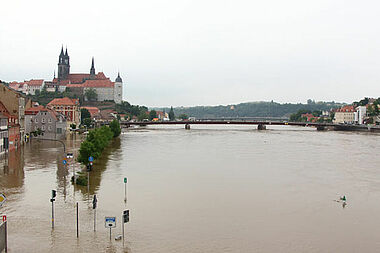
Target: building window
<point x="35" y="120"/>
<point x="43" y="128"/>
<point x="43" y="120"/>
<point x="35" y="128"/>
<point x="49" y="128"/>
<point x="59" y="130"/>
<point x="49" y="120"/>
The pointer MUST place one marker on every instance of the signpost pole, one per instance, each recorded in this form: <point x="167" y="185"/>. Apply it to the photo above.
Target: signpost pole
<point x="122" y="224"/>
<point x="52" y="214"/>
<point x="110" y="234"/>
<point x="53" y="195"/>
<point x="94" y="219"/>
<point x="125" y="189"/>
<point x="77" y="222"/>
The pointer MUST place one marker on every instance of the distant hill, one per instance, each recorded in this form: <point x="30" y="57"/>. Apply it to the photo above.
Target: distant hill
<point x="251" y="109"/>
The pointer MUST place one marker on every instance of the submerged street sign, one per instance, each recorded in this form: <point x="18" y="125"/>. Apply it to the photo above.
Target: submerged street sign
<point x="110" y="222"/>
<point x="91" y="159"/>
<point x="2" y="199"/>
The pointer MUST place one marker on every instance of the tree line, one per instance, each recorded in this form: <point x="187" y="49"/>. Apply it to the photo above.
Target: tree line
<point x="253" y="109"/>
<point x="96" y="140"/>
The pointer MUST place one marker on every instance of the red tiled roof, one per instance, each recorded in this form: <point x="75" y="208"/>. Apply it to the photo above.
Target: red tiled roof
<point x="16" y="85"/>
<point x="77" y="78"/>
<point x="34" y="110"/>
<point x="35" y="82"/>
<point x="101" y="76"/>
<point x="63" y="101"/>
<point x="92" y="110"/>
<point x="347" y="108"/>
<point x="105" y="83"/>
<point x="80" y="78"/>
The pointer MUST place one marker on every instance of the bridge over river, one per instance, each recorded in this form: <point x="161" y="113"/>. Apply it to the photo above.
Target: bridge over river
<point x="261" y="125"/>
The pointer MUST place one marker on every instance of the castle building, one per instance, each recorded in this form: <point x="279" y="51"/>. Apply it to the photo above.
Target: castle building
<point x="82" y="83"/>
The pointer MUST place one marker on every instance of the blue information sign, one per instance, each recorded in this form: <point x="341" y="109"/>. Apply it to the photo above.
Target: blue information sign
<point x="91" y="159"/>
<point x="64" y="162"/>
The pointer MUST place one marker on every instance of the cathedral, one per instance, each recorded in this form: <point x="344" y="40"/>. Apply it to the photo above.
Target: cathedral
<point x="79" y="83"/>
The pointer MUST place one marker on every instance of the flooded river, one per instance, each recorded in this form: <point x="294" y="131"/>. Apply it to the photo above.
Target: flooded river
<point x="208" y="189"/>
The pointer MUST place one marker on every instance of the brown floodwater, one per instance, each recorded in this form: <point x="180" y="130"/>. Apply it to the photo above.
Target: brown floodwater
<point x="208" y="189"/>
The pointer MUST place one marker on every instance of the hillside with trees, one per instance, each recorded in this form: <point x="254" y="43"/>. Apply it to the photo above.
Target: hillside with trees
<point x="252" y="109"/>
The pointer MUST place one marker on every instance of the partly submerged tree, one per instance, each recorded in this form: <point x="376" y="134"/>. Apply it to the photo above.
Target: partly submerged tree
<point x="171" y="114"/>
<point x="115" y="128"/>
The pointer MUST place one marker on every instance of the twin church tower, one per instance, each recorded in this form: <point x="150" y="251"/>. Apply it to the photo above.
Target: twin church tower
<point x="104" y="87"/>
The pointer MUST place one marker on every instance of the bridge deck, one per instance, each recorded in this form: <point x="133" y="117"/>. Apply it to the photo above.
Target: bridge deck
<point x="222" y="122"/>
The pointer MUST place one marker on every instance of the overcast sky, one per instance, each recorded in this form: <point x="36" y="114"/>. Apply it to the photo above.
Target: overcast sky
<point x="205" y="52"/>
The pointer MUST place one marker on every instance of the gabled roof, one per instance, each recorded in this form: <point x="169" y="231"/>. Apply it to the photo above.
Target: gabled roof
<point x="92" y="110"/>
<point x="34" y="110"/>
<point x="347" y="108"/>
<point x="63" y="101"/>
<point x="80" y="78"/>
<point x="104" y="83"/>
<point x="35" y="82"/>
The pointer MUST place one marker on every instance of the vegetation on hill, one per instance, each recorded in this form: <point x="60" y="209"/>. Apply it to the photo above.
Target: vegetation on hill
<point x="44" y="97"/>
<point x="132" y="110"/>
<point x="253" y="109"/>
<point x="372" y="105"/>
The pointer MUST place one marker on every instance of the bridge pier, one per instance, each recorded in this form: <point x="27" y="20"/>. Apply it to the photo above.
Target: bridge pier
<point x="321" y="128"/>
<point x="261" y="127"/>
<point x="187" y="126"/>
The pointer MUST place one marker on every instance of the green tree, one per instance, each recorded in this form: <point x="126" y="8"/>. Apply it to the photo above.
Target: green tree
<point x="142" y="116"/>
<point x="91" y="94"/>
<point x="183" y="116"/>
<point x="171" y="114"/>
<point x="115" y="128"/>
<point x="84" y="114"/>
<point x="87" y="122"/>
<point x="86" y="150"/>
<point x="152" y="114"/>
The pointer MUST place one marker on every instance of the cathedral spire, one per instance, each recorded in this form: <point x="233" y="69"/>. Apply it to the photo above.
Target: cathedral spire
<point x="66" y="54"/>
<point x="61" y="51"/>
<point x="92" y="70"/>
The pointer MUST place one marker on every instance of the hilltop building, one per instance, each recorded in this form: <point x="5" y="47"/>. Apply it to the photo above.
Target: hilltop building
<point x="75" y="83"/>
<point x="28" y="87"/>
<point x="80" y="83"/>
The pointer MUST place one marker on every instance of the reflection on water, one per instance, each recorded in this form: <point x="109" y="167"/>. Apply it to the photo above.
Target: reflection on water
<point x="210" y="189"/>
<point x="99" y="167"/>
<point x="12" y="171"/>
